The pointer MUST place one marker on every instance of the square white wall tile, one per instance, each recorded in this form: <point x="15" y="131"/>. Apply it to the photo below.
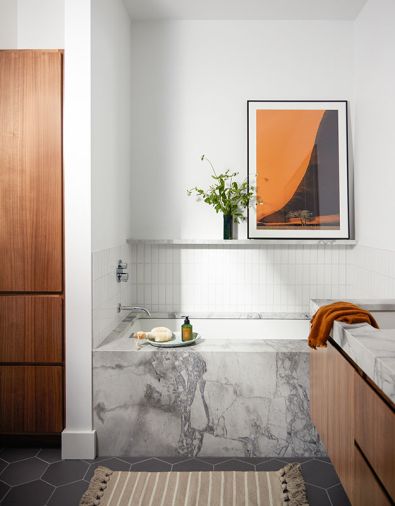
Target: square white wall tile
<point x="107" y="292"/>
<point x="223" y="279"/>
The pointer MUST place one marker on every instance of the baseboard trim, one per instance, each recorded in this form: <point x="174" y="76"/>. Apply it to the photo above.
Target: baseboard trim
<point x="78" y="444"/>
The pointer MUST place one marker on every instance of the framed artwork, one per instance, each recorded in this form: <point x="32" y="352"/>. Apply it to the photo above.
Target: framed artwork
<point x="298" y="163"/>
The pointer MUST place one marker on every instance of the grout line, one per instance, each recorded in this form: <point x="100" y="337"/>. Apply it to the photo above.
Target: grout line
<point x="126" y="462"/>
<point x="314" y="485"/>
<point x="52" y="493"/>
<point x="45" y="470"/>
<point x="329" y="497"/>
<point x="335" y="485"/>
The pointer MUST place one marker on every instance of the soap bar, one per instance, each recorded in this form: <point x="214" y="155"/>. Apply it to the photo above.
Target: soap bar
<point x="161" y="334"/>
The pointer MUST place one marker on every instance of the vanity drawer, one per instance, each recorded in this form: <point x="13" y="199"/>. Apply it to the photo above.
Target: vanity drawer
<point x="31" y="399"/>
<point x="31" y="328"/>
<point x="367" y="491"/>
<point x="375" y="432"/>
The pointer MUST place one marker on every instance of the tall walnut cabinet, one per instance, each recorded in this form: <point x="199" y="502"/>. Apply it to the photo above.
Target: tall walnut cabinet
<point x="31" y="243"/>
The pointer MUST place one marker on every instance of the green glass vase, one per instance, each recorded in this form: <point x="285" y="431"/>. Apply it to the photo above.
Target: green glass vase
<point x="228" y="226"/>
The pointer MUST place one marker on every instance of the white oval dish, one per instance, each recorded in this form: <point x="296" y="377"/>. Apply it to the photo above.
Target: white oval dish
<point x="176" y="341"/>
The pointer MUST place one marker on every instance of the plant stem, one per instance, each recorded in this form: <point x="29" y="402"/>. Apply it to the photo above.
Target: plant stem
<point x="211" y="165"/>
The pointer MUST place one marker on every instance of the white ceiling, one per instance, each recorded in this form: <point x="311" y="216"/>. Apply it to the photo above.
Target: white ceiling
<point x="244" y="9"/>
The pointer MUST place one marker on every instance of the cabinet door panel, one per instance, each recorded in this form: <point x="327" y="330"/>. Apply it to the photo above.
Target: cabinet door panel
<point x="332" y="409"/>
<point x="367" y="489"/>
<point x="375" y="432"/>
<point x="31" y="328"/>
<point x="31" y="399"/>
<point x="31" y="171"/>
<point x="341" y="417"/>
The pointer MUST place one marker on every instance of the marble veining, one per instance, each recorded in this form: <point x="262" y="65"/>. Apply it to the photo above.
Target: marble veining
<point x="250" y="399"/>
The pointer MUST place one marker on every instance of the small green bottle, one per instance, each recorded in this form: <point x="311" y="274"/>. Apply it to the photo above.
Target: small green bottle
<point x="186" y="329"/>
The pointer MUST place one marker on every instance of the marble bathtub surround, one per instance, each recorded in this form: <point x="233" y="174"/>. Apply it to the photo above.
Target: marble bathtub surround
<point x="216" y="398"/>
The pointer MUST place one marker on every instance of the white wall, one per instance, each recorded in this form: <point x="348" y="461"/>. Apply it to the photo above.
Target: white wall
<point x="41" y="24"/>
<point x="32" y="24"/>
<point x="111" y="124"/>
<point x="78" y="437"/>
<point x="371" y="265"/>
<point x="374" y="132"/>
<point x="191" y="81"/>
<point x="8" y="24"/>
<point x="111" y="159"/>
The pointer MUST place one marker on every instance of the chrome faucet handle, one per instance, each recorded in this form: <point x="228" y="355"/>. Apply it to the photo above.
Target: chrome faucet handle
<point x="120" y="272"/>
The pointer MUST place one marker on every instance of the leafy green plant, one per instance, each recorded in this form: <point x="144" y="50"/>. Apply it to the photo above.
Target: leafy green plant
<point x="226" y="195"/>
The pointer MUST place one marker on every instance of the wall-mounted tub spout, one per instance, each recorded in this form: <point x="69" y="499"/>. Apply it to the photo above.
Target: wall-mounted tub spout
<point x="133" y="309"/>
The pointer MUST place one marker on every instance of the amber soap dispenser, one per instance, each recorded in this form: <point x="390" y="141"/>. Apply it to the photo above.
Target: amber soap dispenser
<point x="186" y="330"/>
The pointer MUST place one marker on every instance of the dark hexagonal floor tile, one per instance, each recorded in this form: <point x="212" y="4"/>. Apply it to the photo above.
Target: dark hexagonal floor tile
<point x="68" y="495"/>
<point x="97" y="459"/>
<point x="151" y="465"/>
<point x="15" y="454"/>
<point x="113" y="463"/>
<point x="270" y="465"/>
<point x="324" y="459"/>
<point x="254" y="460"/>
<point x="173" y="460"/>
<point x="35" y="493"/>
<point x="213" y="460"/>
<point x="130" y="460"/>
<point x="50" y="455"/>
<point x="23" y="471"/>
<point x="319" y="473"/>
<point x="193" y="465"/>
<point x="299" y="460"/>
<point x="3" y="490"/>
<point x="65" y="471"/>
<point x="338" y="496"/>
<point x="3" y="465"/>
<point x="317" y="496"/>
<point x="234" y="465"/>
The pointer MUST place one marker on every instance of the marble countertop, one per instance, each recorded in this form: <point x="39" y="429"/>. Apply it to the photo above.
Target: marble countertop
<point x="369" y="304"/>
<point x="128" y="344"/>
<point x="372" y="350"/>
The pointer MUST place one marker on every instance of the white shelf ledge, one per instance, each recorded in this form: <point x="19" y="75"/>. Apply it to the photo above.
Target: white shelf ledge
<point x="245" y="242"/>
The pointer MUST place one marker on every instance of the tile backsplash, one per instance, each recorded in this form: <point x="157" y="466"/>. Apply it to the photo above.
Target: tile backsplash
<point x="223" y="278"/>
<point x="107" y="292"/>
<point x="191" y="279"/>
<point x="371" y="273"/>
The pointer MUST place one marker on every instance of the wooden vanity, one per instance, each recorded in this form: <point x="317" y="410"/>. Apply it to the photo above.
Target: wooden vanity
<point x="356" y="422"/>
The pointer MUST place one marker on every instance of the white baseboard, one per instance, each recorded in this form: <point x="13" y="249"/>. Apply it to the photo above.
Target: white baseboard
<point x="78" y="444"/>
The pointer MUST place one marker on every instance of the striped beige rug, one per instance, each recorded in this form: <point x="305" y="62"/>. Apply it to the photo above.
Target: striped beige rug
<point x="215" y="488"/>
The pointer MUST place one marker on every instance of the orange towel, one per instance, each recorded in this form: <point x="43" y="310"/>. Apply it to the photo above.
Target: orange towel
<point x="322" y="320"/>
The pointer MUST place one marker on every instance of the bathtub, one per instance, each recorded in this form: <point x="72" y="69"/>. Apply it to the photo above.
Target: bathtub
<point x="243" y="390"/>
<point x="258" y="326"/>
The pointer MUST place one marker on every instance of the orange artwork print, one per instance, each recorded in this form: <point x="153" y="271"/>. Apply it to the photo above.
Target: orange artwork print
<point x="297" y="169"/>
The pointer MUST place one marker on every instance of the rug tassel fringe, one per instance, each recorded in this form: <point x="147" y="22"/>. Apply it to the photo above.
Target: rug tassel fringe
<point x="292" y="484"/>
<point x="96" y="487"/>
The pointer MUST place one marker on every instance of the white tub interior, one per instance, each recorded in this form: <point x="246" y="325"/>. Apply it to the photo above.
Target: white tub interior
<point x="227" y="328"/>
